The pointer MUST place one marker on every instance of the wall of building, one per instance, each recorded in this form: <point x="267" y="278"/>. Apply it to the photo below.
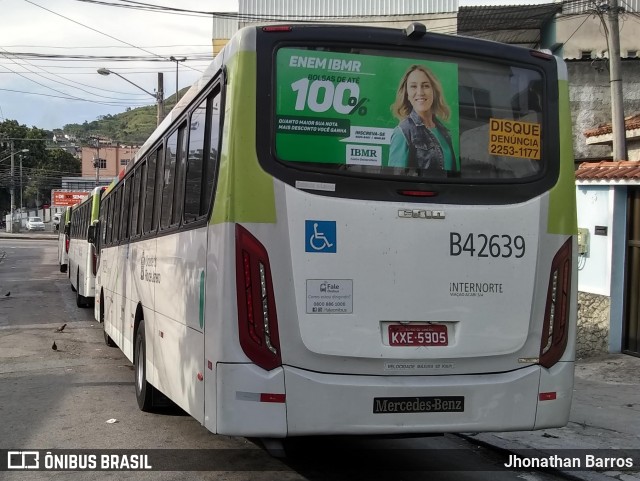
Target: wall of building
<point x="601" y="270"/>
<point x="584" y="33"/>
<point x="594" y="268"/>
<point x="593" y="325"/>
<point x="340" y="8"/>
<point x="590" y="100"/>
<point x="117" y="158"/>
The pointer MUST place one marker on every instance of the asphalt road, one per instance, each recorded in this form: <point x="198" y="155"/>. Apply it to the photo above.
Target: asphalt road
<point x="81" y="397"/>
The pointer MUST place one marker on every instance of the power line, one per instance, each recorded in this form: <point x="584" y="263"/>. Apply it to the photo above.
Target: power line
<point x="92" y="29"/>
<point x="113" y="104"/>
<point x="62" y="83"/>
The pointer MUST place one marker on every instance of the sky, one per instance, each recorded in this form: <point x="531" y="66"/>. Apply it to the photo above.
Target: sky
<point x="39" y="89"/>
<point x="51" y="92"/>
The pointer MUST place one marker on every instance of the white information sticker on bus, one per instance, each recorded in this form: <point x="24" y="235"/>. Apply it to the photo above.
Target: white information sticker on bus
<point x="325" y="296"/>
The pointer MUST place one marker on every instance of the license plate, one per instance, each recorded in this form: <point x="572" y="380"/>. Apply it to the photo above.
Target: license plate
<point x="418" y="335"/>
<point x="418" y="404"/>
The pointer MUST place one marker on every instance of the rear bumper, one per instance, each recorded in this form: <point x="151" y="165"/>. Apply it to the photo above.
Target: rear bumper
<point x="318" y="403"/>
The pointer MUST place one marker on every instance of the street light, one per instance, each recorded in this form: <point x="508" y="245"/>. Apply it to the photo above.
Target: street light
<point x="13" y="153"/>
<point x="159" y="95"/>
<point x="176" y="60"/>
<point x="21" y="204"/>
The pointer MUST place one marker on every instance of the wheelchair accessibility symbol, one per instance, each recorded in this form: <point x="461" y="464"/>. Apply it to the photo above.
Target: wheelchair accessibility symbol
<point x="320" y="236"/>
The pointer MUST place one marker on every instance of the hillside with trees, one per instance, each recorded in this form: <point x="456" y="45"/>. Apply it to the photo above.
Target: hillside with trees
<point x="43" y="165"/>
<point x="133" y="126"/>
<point x="47" y="161"/>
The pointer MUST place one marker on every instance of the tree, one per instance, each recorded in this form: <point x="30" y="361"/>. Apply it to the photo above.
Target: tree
<point x="42" y="166"/>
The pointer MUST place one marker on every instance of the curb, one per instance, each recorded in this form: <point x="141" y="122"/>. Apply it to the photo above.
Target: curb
<point x="43" y="236"/>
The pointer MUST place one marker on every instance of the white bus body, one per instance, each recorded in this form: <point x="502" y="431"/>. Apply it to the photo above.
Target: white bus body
<point x="296" y="310"/>
<point x="81" y="257"/>
<point x="63" y="239"/>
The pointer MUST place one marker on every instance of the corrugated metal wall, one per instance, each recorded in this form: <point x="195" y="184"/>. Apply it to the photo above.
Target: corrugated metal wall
<point x="224" y="27"/>
<point x="585" y="6"/>
<point x="340" y="8"/>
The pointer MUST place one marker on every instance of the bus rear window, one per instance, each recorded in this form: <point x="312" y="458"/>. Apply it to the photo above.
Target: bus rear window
<point x="381" y="113"/>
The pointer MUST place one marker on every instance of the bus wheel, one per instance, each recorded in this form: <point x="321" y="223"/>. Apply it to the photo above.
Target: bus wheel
<point x="81" y="301"/>
<point x="63" y="267"/>
<point x="144" y="390"/>
<point x="107" y="339"/>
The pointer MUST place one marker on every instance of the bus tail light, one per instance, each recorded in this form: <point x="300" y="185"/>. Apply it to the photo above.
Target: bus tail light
<point x="94" y="260"/>
<point x="67" y="241"/>
<point x="556" y="313"/>
<point x="257" y="318"/>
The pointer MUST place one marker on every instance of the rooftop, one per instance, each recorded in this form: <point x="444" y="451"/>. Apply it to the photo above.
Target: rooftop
<point x="516" y="24"/>
<point x="631" y="122"/>
<point x="624" y="170"/>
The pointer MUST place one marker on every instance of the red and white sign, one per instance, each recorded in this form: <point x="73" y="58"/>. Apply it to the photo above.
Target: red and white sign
<point x="64" y="198"/>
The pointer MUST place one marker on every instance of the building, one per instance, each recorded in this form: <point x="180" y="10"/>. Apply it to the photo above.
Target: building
<point x="440" y="16"/>
<point x="106" y="161"/>
<point x="608" y="195"/>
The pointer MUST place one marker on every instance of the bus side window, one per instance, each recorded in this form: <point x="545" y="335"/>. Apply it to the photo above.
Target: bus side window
<point x="212" y="161"/>
<point x="159" y="181"/>
<point x="168" y="179"/>
<point x="126" y="206"/>
<point x="181" y="167"/>
<point x="135" y="202"/>
<point x="193" y="189"/>
<point x="117" y="211"/>
<point x="150" y="184"/>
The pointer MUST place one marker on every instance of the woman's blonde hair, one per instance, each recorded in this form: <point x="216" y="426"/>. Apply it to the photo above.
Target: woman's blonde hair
<point x="401" y="108"/>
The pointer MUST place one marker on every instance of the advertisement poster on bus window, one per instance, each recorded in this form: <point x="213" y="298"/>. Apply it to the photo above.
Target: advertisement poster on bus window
<point x="368" y="110"/>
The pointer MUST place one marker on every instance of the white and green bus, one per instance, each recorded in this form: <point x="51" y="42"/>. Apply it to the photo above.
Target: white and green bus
<point x="63" y="228"/>
<point x="82" y="254"/>
<point x="351" y="230"/>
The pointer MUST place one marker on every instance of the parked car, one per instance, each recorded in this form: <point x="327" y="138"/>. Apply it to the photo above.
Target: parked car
<point x="35" y="223"/>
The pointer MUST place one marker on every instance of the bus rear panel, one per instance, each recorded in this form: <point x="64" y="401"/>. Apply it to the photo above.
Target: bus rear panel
<point x="386" y="295"/>
<point x="352" y="230"/>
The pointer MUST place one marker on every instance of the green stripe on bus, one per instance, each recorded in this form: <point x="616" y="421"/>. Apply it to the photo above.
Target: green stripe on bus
<point x="245" y="192"/>
<point x="95" y="207"/>
<point x="562" y="218"/>
<point x="201" y="312"/>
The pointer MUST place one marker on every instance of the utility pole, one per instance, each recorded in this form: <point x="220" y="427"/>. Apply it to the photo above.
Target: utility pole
<point x="615" y="80"/>
<point x="160" y="98"/>
<point x="176" y="60"/>
<point x="96" y="162"/>
<point x="159" y="95"/>
<point x="13" y="192"/>
<point x="21" y="204"/>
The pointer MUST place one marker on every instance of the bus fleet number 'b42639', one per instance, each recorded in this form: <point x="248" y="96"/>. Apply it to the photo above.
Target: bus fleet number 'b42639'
<point x="483" y="245"/>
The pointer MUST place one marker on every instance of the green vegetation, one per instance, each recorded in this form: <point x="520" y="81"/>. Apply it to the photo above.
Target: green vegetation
<point x="47" y="162"/>
<point x="133" y="126"/>
<point x="43" y="165"/>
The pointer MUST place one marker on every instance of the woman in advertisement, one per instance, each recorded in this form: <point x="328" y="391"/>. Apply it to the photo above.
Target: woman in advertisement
<point x="421" y="140"/>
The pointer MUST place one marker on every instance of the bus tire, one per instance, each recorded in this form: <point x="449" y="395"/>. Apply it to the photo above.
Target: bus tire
<point x="107" y="339"/>
<point x="144" y="390"/>
<point x="63" y="267"/>
<point x="81" y="301"/>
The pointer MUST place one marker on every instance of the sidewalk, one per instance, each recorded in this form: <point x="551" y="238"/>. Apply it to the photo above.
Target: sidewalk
<point x="28" y="235"/>
<point x="605" y="415"/>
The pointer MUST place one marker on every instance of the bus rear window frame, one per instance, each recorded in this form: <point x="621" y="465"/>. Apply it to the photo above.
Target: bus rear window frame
<point x="358" y="185"/>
